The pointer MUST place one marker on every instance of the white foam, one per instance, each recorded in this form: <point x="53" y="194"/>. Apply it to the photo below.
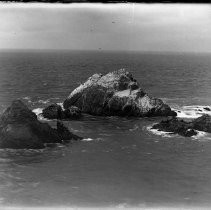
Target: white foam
<point x="28" y="99"/>
<point x="160" y="133"/>
<point x="88" y="139"/>
<point x="192" y="112"/>
<point x="200" y="134"/>
<point x="61" y="104"/>
<point x="44" y="101"/>
<point x="38" y="112"/>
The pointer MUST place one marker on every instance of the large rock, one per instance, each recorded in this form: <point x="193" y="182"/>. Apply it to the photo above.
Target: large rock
<point x="116" y="93"/>
<point x="19" y="128"/>
<point x="55" y="111"/>
<point x="184" y="128"/>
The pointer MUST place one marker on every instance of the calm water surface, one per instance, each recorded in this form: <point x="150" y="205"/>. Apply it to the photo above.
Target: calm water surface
<point x="119" y="163"/>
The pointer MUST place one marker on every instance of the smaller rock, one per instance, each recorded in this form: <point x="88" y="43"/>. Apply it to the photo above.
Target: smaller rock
<point x="190" y="132"/>
<point x="185" y="128"/>
<point x="207" y="109"/>
<point x="54" y="111"/>
<point x="176" y="126"/>
<point x="203" y="123"/>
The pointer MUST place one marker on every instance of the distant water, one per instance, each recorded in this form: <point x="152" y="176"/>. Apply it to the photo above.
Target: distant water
<point x="121" y="162"/>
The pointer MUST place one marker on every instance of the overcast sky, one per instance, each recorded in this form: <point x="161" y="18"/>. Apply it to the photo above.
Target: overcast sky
<point x="142" y="27"/>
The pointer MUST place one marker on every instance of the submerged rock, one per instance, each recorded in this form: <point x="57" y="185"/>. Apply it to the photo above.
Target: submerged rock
<point x="19" y="129"/>
<point x="116" y="93"/>
<point x="54" y="111"/>
<point x="183" y="128"/>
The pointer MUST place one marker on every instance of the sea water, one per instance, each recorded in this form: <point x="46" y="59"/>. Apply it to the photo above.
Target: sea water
<point x="120" y="162"/>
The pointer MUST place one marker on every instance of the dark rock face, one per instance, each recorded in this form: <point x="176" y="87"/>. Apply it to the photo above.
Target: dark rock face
<point x="72" y="112"/>
<point x="203" y="123"/>
<point x="65" y="134"/>
<point x="176" y="126"/>
<point x="183" y="128"/>
<point x="116" y="93"/>
<point x="54" y="111"/>
<point x="19" y="129"/>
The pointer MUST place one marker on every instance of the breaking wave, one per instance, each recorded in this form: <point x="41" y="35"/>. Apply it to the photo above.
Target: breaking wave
<point x="201" y="135"/>
<point x="91" y="139"/>
<point x="38" y="112"/>
<point x="192" y="112"/>
<point x="44" y="101"/>
<point x="160" y="133"/>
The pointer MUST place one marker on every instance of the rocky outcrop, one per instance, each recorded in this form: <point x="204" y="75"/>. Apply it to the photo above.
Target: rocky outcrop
<point x="19" y="128"/>
<point x="176" y="126"/>
<point x="55" y="111"/>
<point x="116" y="93"/>
<point x="203" y="123"/>
<point x="183" y="128"/>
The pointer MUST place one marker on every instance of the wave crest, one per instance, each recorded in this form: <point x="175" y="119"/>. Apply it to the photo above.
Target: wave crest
<point x="192" y="112"/>
<point x="160" y="133"/>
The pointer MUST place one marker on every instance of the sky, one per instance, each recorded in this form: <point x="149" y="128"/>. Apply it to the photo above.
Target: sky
<point x="128" y="26"/>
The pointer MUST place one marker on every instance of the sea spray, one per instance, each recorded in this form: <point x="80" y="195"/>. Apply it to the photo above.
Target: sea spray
<point x="192" y="112"/>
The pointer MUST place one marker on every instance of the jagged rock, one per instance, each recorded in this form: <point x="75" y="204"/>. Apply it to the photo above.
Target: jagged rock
<point x="54" y="111"/>
<point x="19" y="128"/>
<point x="116" y="93"/>
<point x="183" y="128"/>
<point x="176" y="126"/>
<point x="203" y="123"/>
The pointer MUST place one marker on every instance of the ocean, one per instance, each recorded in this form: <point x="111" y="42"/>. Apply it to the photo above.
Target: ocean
<point x="120" y="162"/>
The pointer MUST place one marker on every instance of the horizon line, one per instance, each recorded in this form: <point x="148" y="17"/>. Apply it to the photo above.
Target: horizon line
<point x="103" y="50"/>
